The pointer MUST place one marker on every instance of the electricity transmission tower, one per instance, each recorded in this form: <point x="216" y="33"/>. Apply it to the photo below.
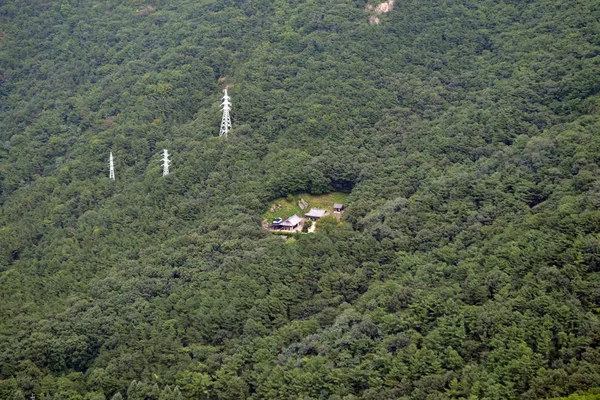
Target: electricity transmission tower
<point x="166" y="162"/>
<point x="226" y="121"/>
<point x="111" y="168"/>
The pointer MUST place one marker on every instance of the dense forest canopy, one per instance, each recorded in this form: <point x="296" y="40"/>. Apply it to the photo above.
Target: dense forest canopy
<point x="467" y="134"/>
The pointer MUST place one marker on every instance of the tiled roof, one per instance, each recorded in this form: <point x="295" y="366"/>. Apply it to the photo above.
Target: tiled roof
<point x="316" y="213"/>
<point x="291" y="221"/>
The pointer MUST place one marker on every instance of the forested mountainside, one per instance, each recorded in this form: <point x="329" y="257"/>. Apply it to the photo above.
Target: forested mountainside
<point x="467" y="134"/>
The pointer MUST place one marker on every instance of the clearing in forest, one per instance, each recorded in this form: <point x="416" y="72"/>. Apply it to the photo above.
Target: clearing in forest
<point x="290" y="205"/>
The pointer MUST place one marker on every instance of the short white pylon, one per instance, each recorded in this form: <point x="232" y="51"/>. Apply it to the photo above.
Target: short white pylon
<point x="166" y="162"/>
<point x="226" y="121"/>
<point x="111" y="168"/>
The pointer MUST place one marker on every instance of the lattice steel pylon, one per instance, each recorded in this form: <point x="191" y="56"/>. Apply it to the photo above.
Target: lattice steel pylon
<point x="111" y="168"/>
<point x="166" y="162"/>
<point x="226" y="121"/>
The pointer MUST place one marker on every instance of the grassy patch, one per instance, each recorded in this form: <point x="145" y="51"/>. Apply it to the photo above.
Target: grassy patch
<point x="288" y="206"/>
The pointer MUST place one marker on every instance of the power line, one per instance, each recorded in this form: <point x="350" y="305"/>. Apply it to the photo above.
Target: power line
<point x="226" y="121"/>
<point x="111" y="168"/>
<point x="166" y="162"/>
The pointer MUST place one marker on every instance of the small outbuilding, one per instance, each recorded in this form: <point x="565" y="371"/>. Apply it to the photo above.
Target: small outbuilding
<point x="276" y="224"/>
<point x="338" y="208"/>
<point x="316" y="213"/>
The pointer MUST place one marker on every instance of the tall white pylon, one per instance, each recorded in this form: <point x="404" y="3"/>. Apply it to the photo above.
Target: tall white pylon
<point x="111" y="168"/>
<point x="166" y="162"/>
<point x="226" y="121"/>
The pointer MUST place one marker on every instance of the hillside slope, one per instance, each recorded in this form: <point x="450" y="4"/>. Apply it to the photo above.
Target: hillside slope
<point x="466" y="134"/>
